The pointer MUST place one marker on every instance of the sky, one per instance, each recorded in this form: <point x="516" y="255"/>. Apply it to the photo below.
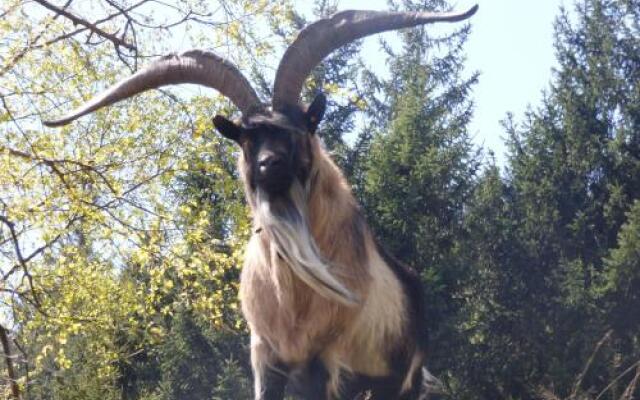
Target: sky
<point x="511" y="45"/>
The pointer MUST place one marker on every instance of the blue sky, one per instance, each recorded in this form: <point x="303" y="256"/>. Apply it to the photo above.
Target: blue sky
<point x="511" y="45"/>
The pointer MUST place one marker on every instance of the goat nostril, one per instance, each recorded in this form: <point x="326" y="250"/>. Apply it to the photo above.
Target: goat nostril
<point x="268" y="162"/>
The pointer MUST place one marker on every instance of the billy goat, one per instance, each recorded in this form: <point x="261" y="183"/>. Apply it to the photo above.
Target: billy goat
<point x="326" y="305"/>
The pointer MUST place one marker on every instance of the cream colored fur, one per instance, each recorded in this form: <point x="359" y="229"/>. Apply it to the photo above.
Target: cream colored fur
<point x="296" y="323"/>
<point x="287" y="226"/>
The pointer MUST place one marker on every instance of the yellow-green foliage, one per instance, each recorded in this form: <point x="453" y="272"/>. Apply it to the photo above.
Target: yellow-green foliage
<point x="105" y="245"/>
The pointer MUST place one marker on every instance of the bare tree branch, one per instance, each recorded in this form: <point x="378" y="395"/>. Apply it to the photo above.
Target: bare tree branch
<point x="578" y="382"/>
<point x="628" y="393"/>
<point x="4" y="338"/>
<point x="633" y="366"/>
<point x="117" y="42"/>
<point x="22" y="260"/>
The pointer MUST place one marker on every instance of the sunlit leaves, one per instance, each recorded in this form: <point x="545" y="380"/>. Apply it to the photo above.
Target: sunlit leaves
<point x="124" y="216"/>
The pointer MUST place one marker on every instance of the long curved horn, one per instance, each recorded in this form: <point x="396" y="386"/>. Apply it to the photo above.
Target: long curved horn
<point x="319" y="39"/>
<point x="195" y="66"/>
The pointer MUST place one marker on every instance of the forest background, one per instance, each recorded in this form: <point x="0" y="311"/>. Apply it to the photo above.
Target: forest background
<point x="121" y="235"/>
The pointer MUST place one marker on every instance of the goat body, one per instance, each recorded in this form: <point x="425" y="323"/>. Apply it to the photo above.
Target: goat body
<point x="295" y="329"/>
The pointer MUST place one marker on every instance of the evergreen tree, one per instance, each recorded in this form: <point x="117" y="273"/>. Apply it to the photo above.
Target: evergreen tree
<point x="490" y="357"/>
<point x="420" y="169"/>
<point x="196" y="362"/>
<point x="571" y="178"/>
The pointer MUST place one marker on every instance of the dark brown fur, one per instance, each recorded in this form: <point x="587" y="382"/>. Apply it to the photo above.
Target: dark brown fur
<point x="370" y="345"/>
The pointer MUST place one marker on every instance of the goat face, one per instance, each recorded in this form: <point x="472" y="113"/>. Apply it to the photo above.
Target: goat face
<point x="276" y="146"/>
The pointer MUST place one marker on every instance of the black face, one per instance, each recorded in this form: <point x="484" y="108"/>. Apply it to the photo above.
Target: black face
<point x="275" y="155"/>
<point x="272" y="156"/>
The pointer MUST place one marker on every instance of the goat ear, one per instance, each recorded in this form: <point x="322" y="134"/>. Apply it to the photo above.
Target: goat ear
<point x="315" y="112"/>
<point x="227" y="128"/>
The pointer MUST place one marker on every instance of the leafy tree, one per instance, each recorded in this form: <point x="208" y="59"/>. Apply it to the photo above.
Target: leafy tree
<point x="100" y="243"/>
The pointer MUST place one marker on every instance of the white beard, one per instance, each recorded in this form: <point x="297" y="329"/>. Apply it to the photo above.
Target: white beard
<point x="286" y="223"/>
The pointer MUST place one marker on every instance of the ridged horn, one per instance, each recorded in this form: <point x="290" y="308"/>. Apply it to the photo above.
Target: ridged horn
<point x="195" y="66"/>
<point x="319" y="39"/>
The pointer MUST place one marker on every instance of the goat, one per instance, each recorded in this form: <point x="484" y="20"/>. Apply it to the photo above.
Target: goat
<point x="326" y="305"/>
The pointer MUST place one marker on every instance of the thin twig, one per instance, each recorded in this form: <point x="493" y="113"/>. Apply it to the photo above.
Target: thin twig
<point x="580" y="377"/>
<point x="25" y="50"/>
<point x="628" y="392"/>
<point x="117" y="42"/>
<point x="617" y="378"/>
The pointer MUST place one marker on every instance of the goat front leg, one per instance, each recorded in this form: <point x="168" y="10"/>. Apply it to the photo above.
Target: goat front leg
<point x="315" y="381"/>
<point x="269" y="374"/>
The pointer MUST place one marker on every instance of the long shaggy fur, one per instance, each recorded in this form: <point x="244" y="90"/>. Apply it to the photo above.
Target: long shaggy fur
<point x="312" y="252"/>
<point x="285" y="222"/>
